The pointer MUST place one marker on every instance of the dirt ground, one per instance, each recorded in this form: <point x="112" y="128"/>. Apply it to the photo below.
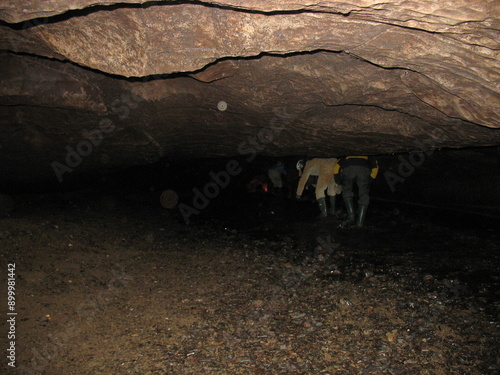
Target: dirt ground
<point x="119" y="285"/>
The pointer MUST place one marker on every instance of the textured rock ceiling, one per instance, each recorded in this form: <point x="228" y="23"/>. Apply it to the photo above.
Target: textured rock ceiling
<point x="91" y="84"/>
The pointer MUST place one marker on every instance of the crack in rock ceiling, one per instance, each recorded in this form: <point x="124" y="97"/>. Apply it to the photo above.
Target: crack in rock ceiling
<point x="92" y="84"/>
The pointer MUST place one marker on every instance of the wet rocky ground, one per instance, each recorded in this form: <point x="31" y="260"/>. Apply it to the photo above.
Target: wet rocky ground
<point x="116" y="284"/>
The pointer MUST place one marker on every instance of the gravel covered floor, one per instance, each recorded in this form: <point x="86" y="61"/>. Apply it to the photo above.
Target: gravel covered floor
<point x="115" y="284"/>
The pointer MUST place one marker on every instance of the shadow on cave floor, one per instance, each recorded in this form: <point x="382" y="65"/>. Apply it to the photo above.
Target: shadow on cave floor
<point x="390" y="227"/>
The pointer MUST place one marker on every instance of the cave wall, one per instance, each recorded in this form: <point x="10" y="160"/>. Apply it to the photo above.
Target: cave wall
<point x="92" y="85"/>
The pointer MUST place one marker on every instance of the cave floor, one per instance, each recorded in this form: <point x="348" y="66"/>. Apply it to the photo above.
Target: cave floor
<point x="119" y="285"/>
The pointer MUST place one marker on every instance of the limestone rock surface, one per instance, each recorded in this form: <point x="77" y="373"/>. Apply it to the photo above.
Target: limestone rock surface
<point x="86" y="85"/>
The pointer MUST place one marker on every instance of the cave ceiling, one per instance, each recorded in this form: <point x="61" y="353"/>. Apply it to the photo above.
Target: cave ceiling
<point x="86" y="85"/>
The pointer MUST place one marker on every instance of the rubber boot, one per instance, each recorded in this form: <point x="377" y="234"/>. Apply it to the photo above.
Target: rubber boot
<point x="333" y="200"/>
<point x="361" y="216"/>
<point x="322" y="206"/>
<point x="349" y="206"/>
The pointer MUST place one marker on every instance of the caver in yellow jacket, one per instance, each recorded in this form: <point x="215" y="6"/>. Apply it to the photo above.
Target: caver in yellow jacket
<point x="324" y="169"/>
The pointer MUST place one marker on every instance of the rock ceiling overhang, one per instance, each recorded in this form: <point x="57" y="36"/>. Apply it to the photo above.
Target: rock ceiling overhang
<point x="338" y="77"/>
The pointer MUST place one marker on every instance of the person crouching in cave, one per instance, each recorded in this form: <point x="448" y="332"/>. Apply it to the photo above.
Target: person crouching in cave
<point x="274" y="173"/>
<point x="324" y="169"/>
<point x="359" y="170"/>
